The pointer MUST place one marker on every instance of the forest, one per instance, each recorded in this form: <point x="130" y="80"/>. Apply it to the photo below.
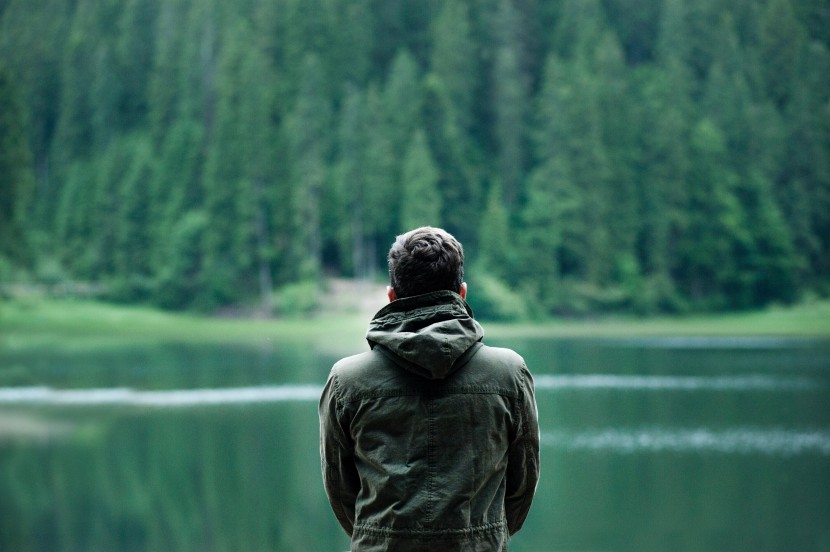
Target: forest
<point x="640" y="156"/>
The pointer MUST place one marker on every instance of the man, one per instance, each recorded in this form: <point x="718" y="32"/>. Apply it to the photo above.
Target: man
<point x="430" y="440"/>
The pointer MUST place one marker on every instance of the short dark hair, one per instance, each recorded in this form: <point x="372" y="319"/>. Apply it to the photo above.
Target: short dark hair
<point x="425" y="259"/>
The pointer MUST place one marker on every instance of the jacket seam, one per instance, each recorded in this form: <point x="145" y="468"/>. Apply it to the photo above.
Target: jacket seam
<point x="430" y="459"/>
<point x="525" y="444"/>
<point x="412" y="532"/>
<point x="338" y="504"/>
<point x="426" y="311"/>
<point x="381" y="394"/>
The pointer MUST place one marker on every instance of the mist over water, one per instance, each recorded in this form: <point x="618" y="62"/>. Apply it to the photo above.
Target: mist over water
<point x="738" y="440"/>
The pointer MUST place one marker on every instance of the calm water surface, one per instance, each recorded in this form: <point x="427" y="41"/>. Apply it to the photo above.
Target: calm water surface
<point x="648" y="445"/>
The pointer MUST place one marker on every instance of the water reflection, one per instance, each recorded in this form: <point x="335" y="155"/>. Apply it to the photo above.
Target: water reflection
<point x="739" y="440"/>
<point x="750" y="382"/>
<point x="180" y="398"/>
<point x="676" y="445"/>
<point x="277" y="393"/>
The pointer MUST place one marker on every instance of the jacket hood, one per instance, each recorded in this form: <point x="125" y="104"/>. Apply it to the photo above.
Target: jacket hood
<point x="429" y="332"/>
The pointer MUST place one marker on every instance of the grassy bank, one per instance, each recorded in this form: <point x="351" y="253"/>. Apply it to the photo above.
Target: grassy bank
<point x="32" y="322"/>
<point x="806" y="320"/>
<point x="35" y="321"/>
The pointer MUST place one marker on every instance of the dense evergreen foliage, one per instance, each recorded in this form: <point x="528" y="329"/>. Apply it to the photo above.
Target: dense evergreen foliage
<point x="591" y="154"/>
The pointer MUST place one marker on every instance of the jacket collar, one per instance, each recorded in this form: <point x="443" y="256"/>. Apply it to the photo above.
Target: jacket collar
<point x="430" y="332"/>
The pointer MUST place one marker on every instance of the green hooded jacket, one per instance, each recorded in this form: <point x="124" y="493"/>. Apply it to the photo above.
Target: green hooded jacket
<point x="430" y="440"/>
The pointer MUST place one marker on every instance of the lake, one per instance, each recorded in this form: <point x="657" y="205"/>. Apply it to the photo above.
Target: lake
<point x="648" y="444"/>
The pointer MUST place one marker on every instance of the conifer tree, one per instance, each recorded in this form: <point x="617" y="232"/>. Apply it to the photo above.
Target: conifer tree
<point x="782" y="41"/>
<point x="177" y="185"/>
<point x="381" y="180"/>
<point x="715" y="238"/>
<point x="223" y="177"/>
<point x="352" y="42"/>
<point x="510" y="96"/>
<point x="110" y="174"/>
<point x="456" y="158"/>
<point x="549" y="224"/>
<point x="16" y="175"/>
<point x="74" y="133"/>
<point x="495" y="244"/>
<point x="454" y="61"/>
<point x="420" y="200"/>
<point x="163" y="86"/>
<point x="77" y="219"/>
<point x="134" y="48"/>
<point x="133" y="246"/>
<point x="402" y="102"/>
<point x="309" y="144"/>
<point x="350" y="184"/>
<point x="668" y="154"/>
<point x="33" y="41"/>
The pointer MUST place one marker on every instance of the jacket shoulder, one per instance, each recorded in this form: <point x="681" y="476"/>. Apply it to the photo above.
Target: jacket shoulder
<point x="497" y="366"/>
<point x="355" y="368"/>
<point x="501" y="356"/>
<point x="367" y="374"/>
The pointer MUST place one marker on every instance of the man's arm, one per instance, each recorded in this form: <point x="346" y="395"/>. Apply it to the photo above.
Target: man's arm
<point x="523" y="458"/>
<point x="340" y="477"/>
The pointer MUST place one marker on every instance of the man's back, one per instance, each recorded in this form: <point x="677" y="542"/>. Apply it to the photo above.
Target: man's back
<point x="430" y="440"/>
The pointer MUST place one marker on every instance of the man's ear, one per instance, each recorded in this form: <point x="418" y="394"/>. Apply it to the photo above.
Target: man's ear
<point x="463" y="290"/>
<point x="390" y="292"/>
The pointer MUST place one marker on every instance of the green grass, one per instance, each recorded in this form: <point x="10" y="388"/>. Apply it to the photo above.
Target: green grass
<point x="806" y="320"/>
<point x="33" y="322"/>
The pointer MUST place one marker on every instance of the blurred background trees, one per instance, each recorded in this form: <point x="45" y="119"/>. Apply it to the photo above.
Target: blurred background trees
<point x="592" y="155"/>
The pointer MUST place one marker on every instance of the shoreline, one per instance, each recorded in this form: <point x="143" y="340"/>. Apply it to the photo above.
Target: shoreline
<point x="34" y="322"/>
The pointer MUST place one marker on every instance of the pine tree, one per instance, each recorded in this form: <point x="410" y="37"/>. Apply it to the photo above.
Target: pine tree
<point x="352" y="42"/>
<point x="33" y="40"/>
<point x="782" y="41"/>
<point x="134" y="49"/>
<point x="495" y="243"/>
<point x="223" y="177"/>
<point x="133" y="237"/>
<point x="198" y="60"/>
<point x="549" y="234"/>
<point x="454" y="61"/>
<point x="402" y="102"/>
<point x="715" y="240"/>
<point x="457" y="160"/>
<point x="669" y="154"/>
<point x="177" y="186"/>
<point x="381" y="181"/>
<point x="620" y="202"/>
<point x="772" y="265"/>
<point x="350" y="185"/>
<point x="76" y="221"/>
<point x="450" y="93"/>
<point x="803" y="184"/>
<point x="110" y="174"/>
<point x="570" y="137"/>
<point x="510" y="97"/>
<point x="16" y="175"/>
<point x="420" y="200"/>
<point x="662" y="136"/>
<point x="74" y="133"/>
<point x="163" y="87"/>
<point x="309" y="145"/>
<point x="180" y="279"/>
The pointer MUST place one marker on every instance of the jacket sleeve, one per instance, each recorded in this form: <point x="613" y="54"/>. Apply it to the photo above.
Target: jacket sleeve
<point x="523" y="457"/>
<point x="340" y="477"/>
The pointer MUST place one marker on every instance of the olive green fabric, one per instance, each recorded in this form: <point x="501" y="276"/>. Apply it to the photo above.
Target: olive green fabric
<point x="430" y="440"/>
